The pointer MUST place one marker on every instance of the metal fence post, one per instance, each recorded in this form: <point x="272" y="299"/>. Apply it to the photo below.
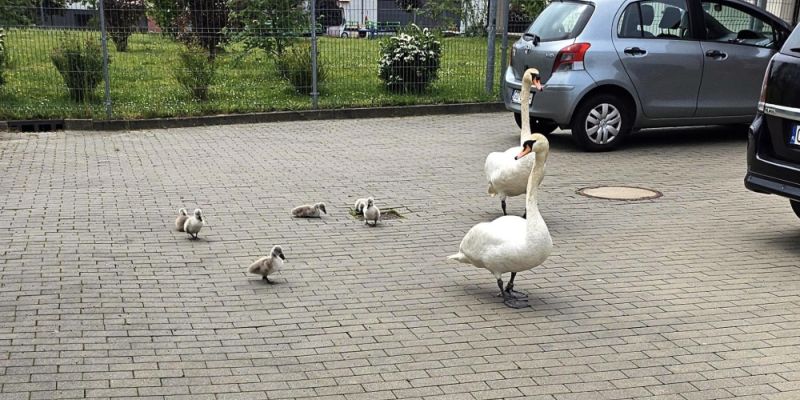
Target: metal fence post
<point x="490" y="50"/>
<point x="104" y="44"/>
<point x="504" y="45"/>
<point x="314" y="92"/>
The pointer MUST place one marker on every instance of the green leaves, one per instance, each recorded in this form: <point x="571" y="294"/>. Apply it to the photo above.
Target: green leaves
<point x="2" y="56"/>
<point x="269" y="25"/>
<point x="80" y="65"/>
<point x="196" y="71"/>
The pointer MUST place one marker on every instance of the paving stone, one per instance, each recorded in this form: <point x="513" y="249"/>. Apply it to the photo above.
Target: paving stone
<point x="689" y="296"/>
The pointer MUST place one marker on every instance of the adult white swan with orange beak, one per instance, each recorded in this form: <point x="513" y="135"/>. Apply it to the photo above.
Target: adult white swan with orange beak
<point x="510" y="243"/>
<point x="507" y="176"/>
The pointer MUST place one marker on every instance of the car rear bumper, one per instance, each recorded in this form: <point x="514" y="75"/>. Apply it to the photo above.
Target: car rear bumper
<point x="766" y="174"/>
<point x="558" y="99"/>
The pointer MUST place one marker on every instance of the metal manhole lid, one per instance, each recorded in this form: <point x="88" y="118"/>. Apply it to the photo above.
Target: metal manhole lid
<point x="620" y="193"/>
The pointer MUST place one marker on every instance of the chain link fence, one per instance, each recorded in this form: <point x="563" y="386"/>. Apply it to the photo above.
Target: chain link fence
<point x="128" y="59"/>
<point x="197" y="57"/>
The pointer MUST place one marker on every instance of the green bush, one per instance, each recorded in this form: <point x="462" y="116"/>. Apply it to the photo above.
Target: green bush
<point x="122" y="17"/>
<point x="410" y="61"/>
<point x="80" y="65"/>
<point x="2" y="56"/>
<point x="196" y="71"/>
<point x="294" y="65"/>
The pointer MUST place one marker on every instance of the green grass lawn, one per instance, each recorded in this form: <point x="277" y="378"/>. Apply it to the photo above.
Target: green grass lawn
<point x="143" y="85"/>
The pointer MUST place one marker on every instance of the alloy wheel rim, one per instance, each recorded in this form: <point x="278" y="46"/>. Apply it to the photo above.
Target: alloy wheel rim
<point x="603" y="123"/>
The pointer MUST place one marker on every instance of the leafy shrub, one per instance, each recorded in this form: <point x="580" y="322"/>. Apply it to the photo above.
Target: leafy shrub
<point x="410" y="61"/>
<point x="2" y="56"/>
<point x="80" y="65"/>
<point x="196" y="71"/>
<point x="269" y="25"/>
<point x="294" y="65"/>
<point x="122" y="16"/>
<point x="209" y="18"/>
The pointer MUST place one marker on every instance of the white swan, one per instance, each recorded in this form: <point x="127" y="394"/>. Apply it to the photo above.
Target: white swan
<point x="510" y="243"/>
<point x="507" y="176"/>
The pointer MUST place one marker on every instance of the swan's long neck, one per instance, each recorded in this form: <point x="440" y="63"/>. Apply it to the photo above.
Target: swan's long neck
<point x="534" y="180"/>
<point x="525" y="108"/>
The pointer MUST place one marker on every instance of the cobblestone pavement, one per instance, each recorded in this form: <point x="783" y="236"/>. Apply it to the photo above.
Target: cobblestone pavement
<point x="690" y="296"/>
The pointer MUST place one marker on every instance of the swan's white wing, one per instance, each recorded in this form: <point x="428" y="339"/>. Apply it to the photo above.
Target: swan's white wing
<point x="489" y="241"/>
<point x="505" y="174"/>
<point x="498" y="160"/>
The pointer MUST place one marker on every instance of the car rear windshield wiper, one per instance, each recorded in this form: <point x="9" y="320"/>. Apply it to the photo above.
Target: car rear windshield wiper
<point x="532" y="37"/>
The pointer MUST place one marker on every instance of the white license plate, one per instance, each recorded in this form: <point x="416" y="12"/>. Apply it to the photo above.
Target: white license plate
<point x="515" y="97"/>
<point x="795" y="138"/>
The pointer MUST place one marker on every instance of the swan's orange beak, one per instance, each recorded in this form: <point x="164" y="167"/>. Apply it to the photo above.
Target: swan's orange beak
<point x="537" y="83"/>
<point x="525" y="151"/>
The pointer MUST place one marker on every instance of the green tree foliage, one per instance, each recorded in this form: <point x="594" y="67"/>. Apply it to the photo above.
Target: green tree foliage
<point x="523" y="12"/>
<point x="208" y="19"/>
<point x="2" y="56"/>
<point x="170" y="15"/>
<point x="269" y="25"/>
<point x="202" y="22"/>
<point x="122" y="17"/>
<point x="27" y="12"/>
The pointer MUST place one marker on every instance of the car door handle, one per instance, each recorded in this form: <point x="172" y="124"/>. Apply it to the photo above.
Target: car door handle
<point x="634" y="51"/>
<point x="716" y="54"/>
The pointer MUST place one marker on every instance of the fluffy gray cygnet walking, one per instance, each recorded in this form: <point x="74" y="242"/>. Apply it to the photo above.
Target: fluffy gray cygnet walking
<point x="268" y="265"/>
<point x="309" y="211"/>
<point x="371" y="213"/>
<point x="193" y="225"/>
<point x="183" y="215"/>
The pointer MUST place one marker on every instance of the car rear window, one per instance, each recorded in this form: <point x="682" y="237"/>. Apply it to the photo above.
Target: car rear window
<point x="561" y="20"/>
<point x="792" y="45"/>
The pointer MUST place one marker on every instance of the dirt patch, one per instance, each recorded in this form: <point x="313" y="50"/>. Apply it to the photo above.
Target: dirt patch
<point x="386" y="214"/>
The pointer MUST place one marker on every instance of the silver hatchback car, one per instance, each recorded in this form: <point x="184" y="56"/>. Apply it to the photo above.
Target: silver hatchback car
<point x="611" y="66"/>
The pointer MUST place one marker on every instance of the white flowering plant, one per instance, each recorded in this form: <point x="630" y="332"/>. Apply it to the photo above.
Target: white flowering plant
<point x="410" y="61"/>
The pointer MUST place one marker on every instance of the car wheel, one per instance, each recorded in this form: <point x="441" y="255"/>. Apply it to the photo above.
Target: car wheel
<point x="601" y="123"/>
<point x="796" y="207"/>
<point x="538" y="125"/>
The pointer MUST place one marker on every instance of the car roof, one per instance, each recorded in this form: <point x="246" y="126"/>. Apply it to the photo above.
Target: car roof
<point x="738" y="3"/>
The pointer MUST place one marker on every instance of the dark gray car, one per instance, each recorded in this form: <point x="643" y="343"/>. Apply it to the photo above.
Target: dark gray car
<point x="611" y="66"/>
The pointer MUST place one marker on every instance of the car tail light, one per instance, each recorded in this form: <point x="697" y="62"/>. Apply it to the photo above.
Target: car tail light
<point x="762" y="100"/>
<point x="570" y="58"/>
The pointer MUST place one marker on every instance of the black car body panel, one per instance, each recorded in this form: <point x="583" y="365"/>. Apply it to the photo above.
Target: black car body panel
<point x="773" y="150"/>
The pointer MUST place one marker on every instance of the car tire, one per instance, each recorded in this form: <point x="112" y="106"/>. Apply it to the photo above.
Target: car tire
<point x="538" y="125"/>
<point x="796" y="207"/>
<point x="601" y="122"/>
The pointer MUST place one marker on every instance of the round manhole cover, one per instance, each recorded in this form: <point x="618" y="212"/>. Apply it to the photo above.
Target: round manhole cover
<point x="620" y="193"/>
